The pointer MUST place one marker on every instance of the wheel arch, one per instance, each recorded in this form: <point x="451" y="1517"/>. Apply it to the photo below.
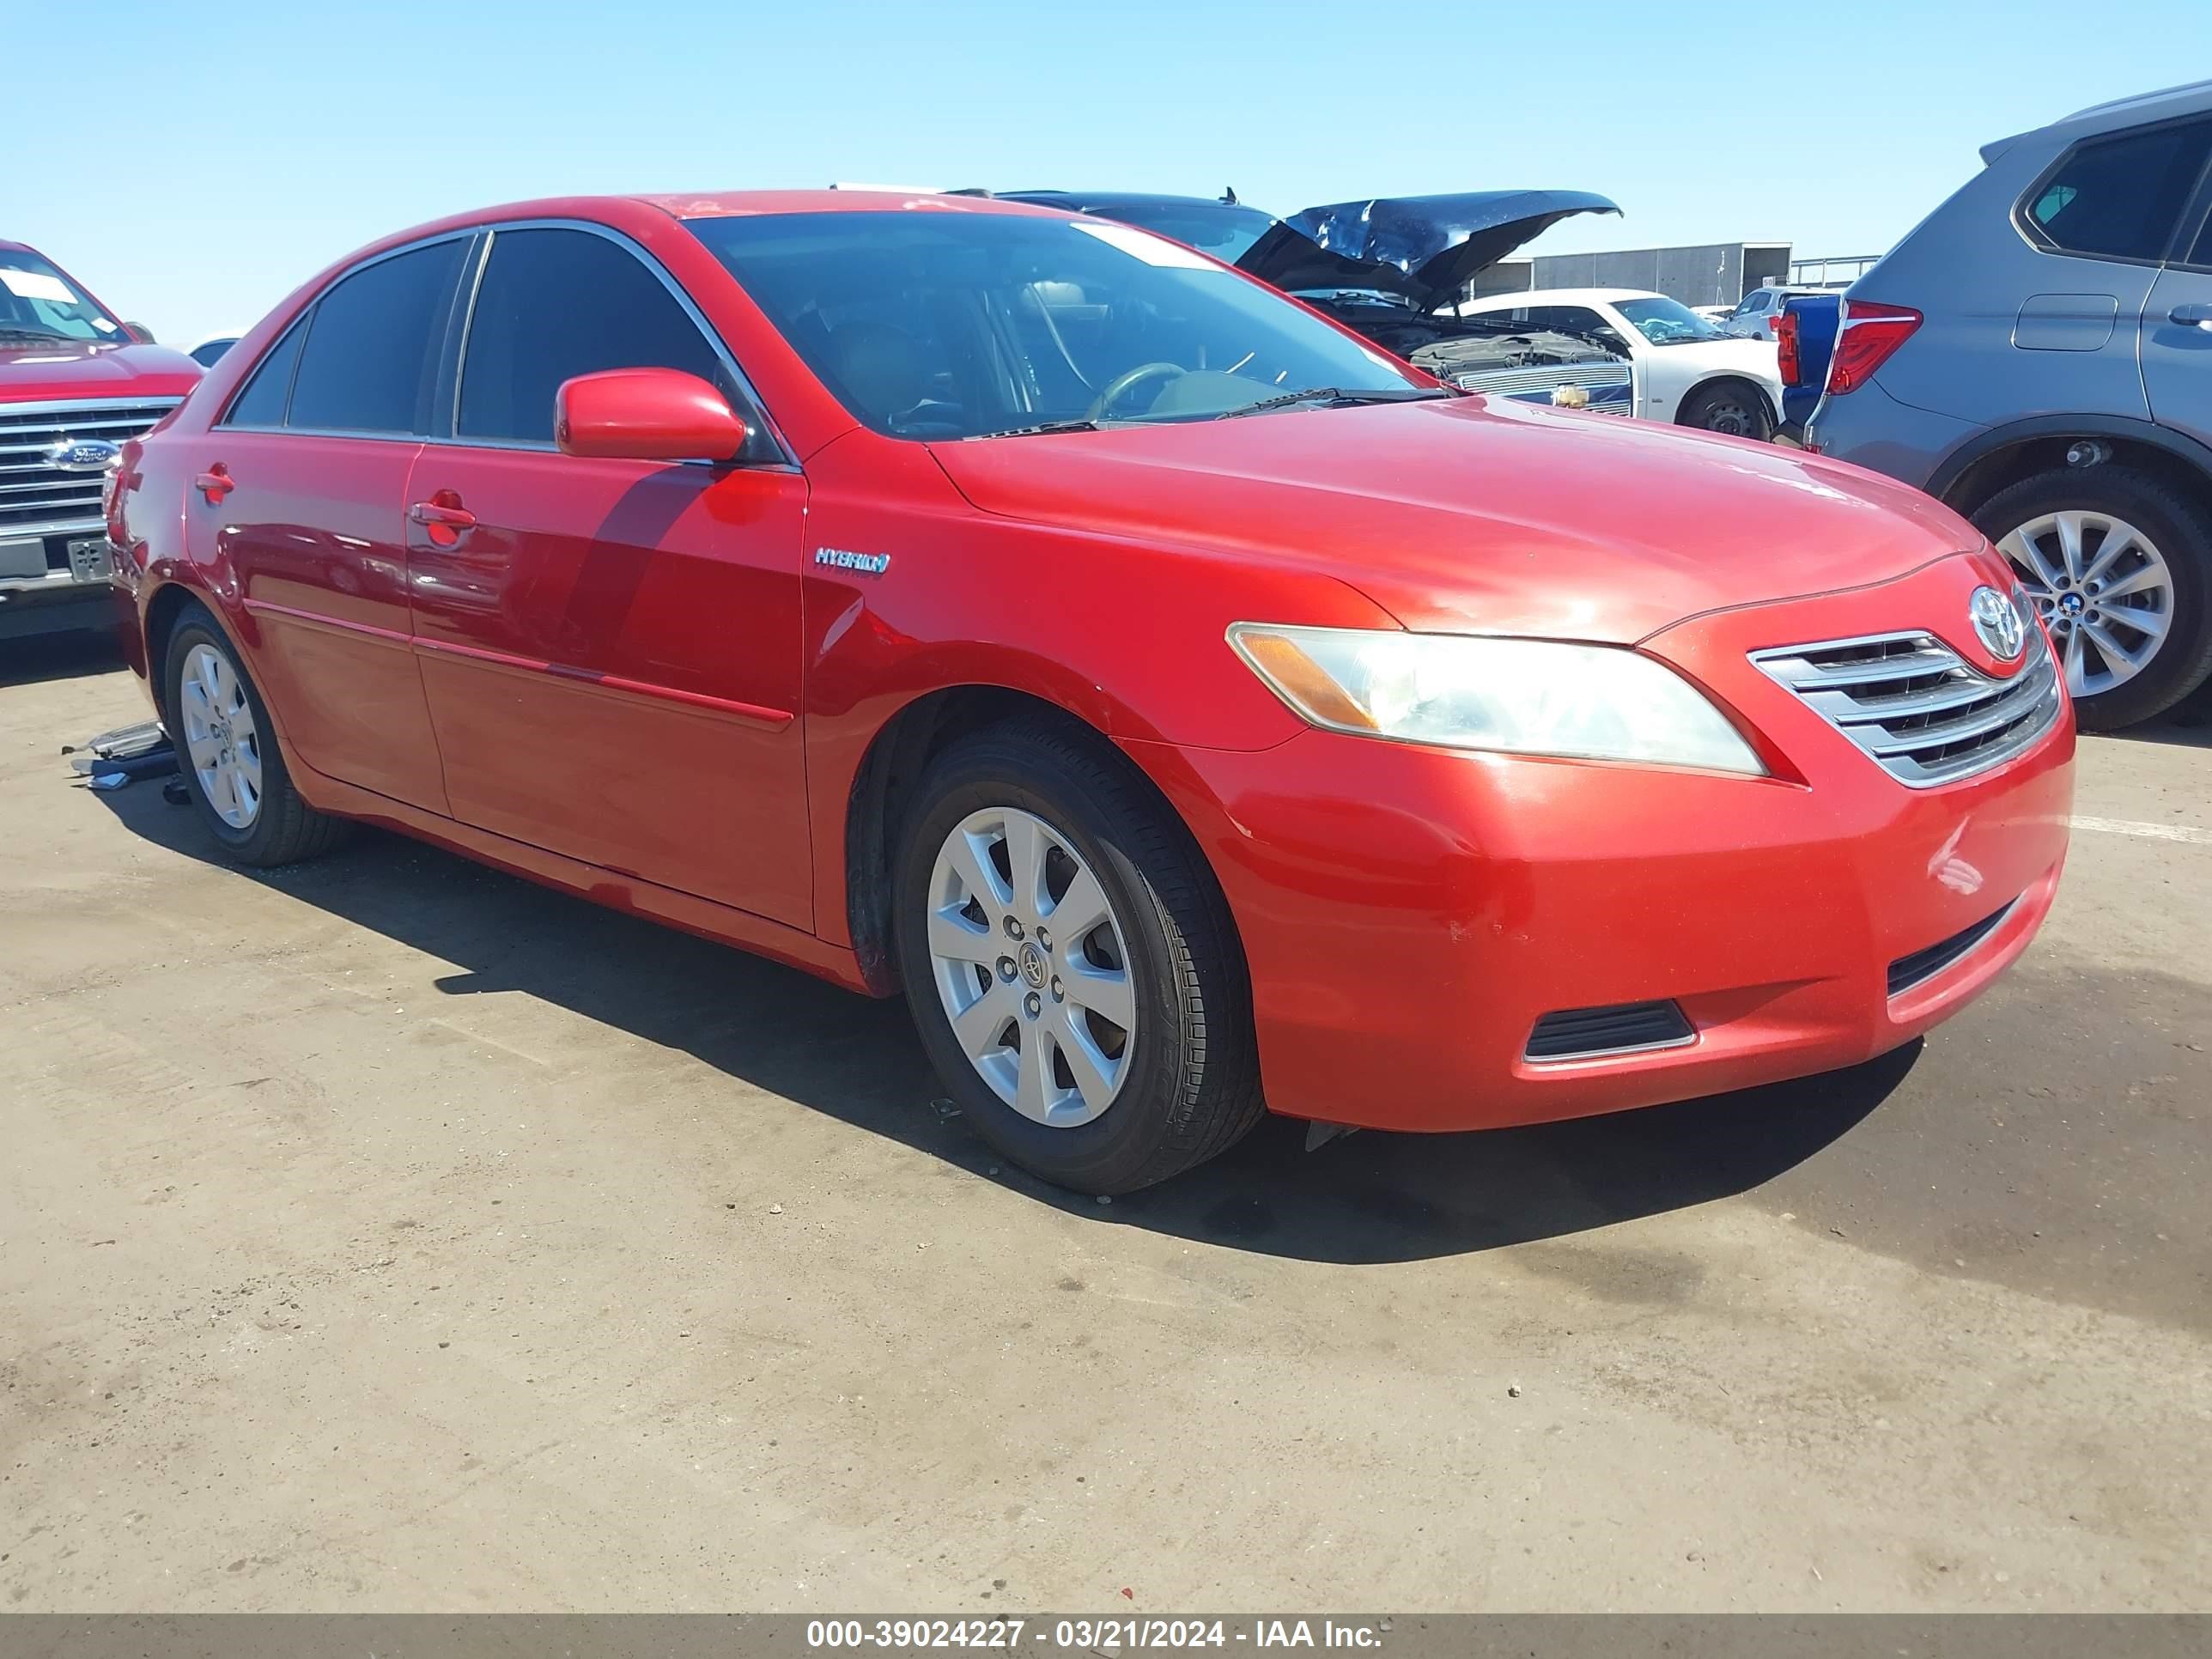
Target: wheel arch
<point x="890" y="768"/>
<point x="162" y="612"/>
<point x="1728" y="377"/>
<point x="1995" y="459"/>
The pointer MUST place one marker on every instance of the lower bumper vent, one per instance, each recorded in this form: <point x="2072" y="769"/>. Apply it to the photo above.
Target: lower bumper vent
<point x="1908" y="971"/>
<point x="1623" y="1027"/>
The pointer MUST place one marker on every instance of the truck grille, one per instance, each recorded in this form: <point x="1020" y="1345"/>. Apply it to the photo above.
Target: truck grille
<point x="36" y="498"/>
<point x="1603" y="381"/>
<point x="1923" y="713"/>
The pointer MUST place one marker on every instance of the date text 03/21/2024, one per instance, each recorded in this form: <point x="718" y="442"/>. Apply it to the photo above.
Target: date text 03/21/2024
<point x="897" y="1634"/>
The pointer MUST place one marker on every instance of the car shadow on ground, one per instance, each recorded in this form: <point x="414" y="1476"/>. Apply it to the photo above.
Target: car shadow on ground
<point x="2189" y="723"/>
<point x="58" y="657"/>
<point x="1364" y="1198"/>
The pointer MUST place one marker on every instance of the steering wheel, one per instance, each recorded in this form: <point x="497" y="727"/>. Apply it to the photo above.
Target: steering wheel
<point x="1121" y="383"/>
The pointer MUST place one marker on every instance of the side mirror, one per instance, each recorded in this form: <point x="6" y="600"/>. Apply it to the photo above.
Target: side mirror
<point x="646" y="415"/>
<point x="139" y="332"/>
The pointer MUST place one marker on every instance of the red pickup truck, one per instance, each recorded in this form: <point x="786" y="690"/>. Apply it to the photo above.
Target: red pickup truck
<point x="75" y="384"/>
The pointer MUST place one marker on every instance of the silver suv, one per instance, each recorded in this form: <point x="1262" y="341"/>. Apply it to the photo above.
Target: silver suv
<point x="2037" y="355"/>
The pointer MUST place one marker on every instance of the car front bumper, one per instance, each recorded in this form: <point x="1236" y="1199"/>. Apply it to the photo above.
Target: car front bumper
<point x="1410" y="914"/>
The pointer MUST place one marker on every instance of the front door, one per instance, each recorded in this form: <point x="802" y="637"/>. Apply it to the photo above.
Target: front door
<point x="610" y="648"/>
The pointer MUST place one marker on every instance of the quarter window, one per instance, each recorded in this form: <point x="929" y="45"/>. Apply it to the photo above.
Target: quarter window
<point x="262" y="402"/>
<point x="373" y="345"/>
<point x="2118" y="198"/>
<point x="554" y="304"/>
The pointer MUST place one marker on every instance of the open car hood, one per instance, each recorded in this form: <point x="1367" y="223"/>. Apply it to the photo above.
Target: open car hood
<point x="1426" y="248"/>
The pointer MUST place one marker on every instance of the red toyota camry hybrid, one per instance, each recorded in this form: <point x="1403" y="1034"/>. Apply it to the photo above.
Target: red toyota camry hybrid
<point x="1194" y="711"/>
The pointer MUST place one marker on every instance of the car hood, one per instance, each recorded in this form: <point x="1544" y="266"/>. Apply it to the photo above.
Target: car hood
<point x="1478" y="515"/>
<point x="49" y="370"/>
<point x="1426" y="248"/>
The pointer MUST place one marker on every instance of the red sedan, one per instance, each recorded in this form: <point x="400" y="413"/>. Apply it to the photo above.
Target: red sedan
<point x="1192" y="709"/>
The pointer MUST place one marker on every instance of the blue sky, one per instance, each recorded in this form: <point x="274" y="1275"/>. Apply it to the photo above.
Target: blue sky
<point x="266" y="141"/>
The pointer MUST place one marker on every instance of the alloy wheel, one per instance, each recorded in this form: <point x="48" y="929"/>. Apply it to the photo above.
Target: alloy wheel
<point x="2102" y="588"/>
<point x="1031" y="967"/>
<point x="221" y="739"/>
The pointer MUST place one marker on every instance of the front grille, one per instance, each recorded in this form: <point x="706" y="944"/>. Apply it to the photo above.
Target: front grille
<point x="1908" y="971"/>
<point x="1622" y="1027"/>
<point x="36" y="498"/>
<point x="1923" y="713"/>
<point x="1598" y="379"/>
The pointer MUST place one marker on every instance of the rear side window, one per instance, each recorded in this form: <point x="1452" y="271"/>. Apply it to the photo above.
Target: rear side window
<point x="554" y="304"/>
<point x="371" y="350"/>
<point x="262" y="402"/>
<point x="2118" y="198"/>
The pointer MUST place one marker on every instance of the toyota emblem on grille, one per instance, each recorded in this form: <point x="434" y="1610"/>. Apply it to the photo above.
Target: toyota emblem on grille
<point x="1997" y="624"/>
<point x="82" y="455"/>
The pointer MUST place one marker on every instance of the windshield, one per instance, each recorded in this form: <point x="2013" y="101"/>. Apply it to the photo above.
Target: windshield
<point x="953" y="324"/>
<point x="37" y="299"/>
<point x="1667" y="322"/>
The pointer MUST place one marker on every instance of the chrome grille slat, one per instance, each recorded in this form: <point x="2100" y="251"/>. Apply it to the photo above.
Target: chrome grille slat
<point x="1916" y="707"/>
<point x="37" y="500"/>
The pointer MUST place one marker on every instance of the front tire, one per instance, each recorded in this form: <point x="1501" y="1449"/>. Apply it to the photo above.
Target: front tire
<point x="1070" y="964"/>
<point x="2120" y="565"/>
<point x="227" y="752"/>
<point x="1732" y="407"/>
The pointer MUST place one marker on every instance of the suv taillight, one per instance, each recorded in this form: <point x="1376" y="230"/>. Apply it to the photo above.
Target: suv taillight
<point x="1786" y="347"/>
<point x="1865" y="337"/>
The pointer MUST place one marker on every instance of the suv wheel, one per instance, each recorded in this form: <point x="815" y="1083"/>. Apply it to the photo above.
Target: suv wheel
<point x="232" y="768"/>
<point x="2119" y="566"/>
<point x="1070" y="964"/>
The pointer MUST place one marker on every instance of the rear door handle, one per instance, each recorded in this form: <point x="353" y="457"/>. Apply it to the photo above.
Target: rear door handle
<point x="2190" y="316"/>
<point x="215" y="483"/>
<point x="443" y="517"/>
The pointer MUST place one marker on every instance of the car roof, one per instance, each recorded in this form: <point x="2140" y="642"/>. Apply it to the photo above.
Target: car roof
<point x="2139" y="110"/>
<point x="734" y="203"/>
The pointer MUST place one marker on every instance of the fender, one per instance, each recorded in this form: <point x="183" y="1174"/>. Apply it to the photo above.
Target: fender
<point x="1984" y="444"/>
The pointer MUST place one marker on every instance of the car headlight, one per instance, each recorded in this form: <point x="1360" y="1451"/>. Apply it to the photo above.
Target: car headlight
<point x="1519" y="697"/>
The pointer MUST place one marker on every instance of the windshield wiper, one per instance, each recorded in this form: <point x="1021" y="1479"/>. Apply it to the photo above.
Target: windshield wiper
<point x="13" y="331"/>
<point x="1041" y="426"/>
<point x="1337" y="394"/>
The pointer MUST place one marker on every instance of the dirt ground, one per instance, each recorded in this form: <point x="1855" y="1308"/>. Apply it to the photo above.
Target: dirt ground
<point x="388" y="1233"/>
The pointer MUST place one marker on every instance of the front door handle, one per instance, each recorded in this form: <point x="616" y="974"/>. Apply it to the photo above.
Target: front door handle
<point x="444" y="516"/>
<point x="215" y="483"/>
<point x="2190" y="316"/>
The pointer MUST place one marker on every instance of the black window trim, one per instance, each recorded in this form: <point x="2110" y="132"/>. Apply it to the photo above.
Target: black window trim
<point x="446" y="415"/>
<point x="2037" y="239"/>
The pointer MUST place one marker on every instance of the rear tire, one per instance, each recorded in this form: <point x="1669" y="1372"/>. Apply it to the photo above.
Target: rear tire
<point x="227" y="752"/>
<point x="1732" y="407"/>
<point x="1097" y="1103"/>
<point x="2032" y="523"/>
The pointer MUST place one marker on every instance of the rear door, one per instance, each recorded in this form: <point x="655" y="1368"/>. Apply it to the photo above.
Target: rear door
<point x="2177" y="327"/>
<point x="611" y="647"/>
<point x="301" y="494"/>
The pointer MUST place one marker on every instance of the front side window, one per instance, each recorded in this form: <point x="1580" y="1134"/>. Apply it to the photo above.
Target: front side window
<point x="946" y="323"/>
<point x="37" y="303"/>
<point x="2118" y="198"/>
<point x="554" y="304"/>
<point x="1666" y="322"/>
<point x="370" y="359"/>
